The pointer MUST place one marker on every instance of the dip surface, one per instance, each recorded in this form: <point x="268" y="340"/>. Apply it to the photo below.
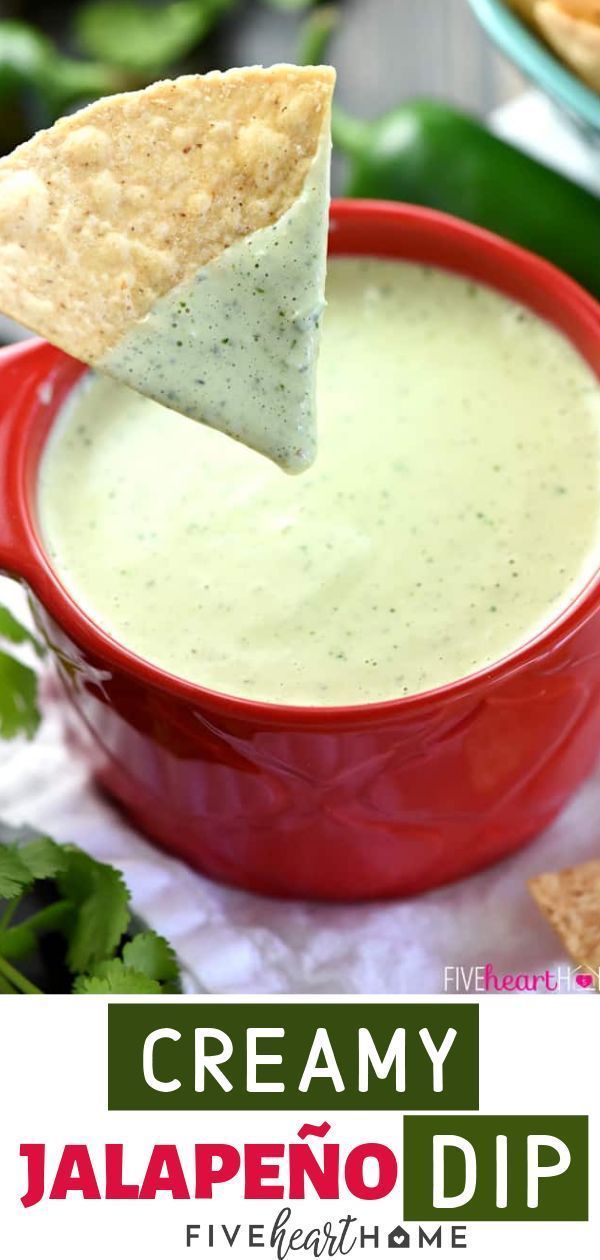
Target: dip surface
<point x="452" y="513"/>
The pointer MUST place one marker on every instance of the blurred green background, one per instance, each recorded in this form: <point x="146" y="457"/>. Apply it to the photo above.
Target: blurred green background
<point x="54" y="56"/>
<point x="405" y="63"/>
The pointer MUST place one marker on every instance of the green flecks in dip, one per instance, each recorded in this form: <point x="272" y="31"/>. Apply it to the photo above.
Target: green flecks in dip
<point x="237" y="346"/>
<point x="453" y="511"/>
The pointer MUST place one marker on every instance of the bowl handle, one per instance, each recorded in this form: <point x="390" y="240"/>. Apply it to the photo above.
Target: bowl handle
<point x="23" y="368"/>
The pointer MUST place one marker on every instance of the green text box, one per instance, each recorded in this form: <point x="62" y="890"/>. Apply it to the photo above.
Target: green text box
<point x="561" y="1198"/>
<point x="130" y="1025"/>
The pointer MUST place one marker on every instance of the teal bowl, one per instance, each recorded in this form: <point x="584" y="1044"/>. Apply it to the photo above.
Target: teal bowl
<point x="535" y="60"/>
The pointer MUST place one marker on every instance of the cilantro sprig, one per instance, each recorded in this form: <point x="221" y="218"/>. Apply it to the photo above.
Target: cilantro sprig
<point x="51" y="891"/>
<point x="86" y="903"/>
<point x="19" y="713"/>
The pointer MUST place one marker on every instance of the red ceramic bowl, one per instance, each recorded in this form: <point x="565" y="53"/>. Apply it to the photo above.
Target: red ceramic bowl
<point x="354" y="802"/>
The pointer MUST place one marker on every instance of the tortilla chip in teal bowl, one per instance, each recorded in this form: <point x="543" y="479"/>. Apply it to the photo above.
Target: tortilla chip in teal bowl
<point x="537" y="62"/>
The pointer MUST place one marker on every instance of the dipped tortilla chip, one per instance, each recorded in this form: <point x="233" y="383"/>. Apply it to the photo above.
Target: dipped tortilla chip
<point x="570" y="900"/>
<point x="576" y="41"/>
<point x="123" y="206"/>
<point x="115" y="205"/>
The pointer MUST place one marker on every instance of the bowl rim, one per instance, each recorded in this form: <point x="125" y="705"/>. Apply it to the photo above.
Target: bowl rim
<point x="536" y="60"/>
<point x="22" y="443"/>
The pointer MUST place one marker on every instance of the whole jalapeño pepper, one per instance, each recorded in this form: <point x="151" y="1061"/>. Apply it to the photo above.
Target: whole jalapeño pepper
<point x="429" y="154"/>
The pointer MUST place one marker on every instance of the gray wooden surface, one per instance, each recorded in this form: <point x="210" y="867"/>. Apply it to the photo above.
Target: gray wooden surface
<point x="386" y="50"/>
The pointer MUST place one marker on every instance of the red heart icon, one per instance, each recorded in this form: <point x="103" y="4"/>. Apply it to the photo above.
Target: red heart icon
<point x="584" y="982"/>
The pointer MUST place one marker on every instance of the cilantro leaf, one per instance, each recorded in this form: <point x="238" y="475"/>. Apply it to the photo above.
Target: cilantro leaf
<point x="15" y="876"/>
<point x="101" y="902"/>
<point x="18" y="683"/>
<point x="17" y="942"/>
<point x="44" y="858"/>
<point x="14" y="632"/>
<point x="24" y="857"/>
<point x="21" y="864"/>
<point x="19" y="714"/>
<point x="24" y="938"/>
<point x="87" y="903"/>
<point x="151" y="955"/>
<point x="115" y="977"/>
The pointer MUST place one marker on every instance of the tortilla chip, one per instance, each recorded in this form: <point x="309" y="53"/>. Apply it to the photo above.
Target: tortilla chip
<point x="576" y="42"/>
<point x="587" y="10"/>
<point x="525" y="8"/>
<point x="116" y="205"/>
<point x="570" y="900"/>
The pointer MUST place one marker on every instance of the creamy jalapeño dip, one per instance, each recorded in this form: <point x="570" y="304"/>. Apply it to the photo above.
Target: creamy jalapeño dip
<point x="453" y="510"/>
